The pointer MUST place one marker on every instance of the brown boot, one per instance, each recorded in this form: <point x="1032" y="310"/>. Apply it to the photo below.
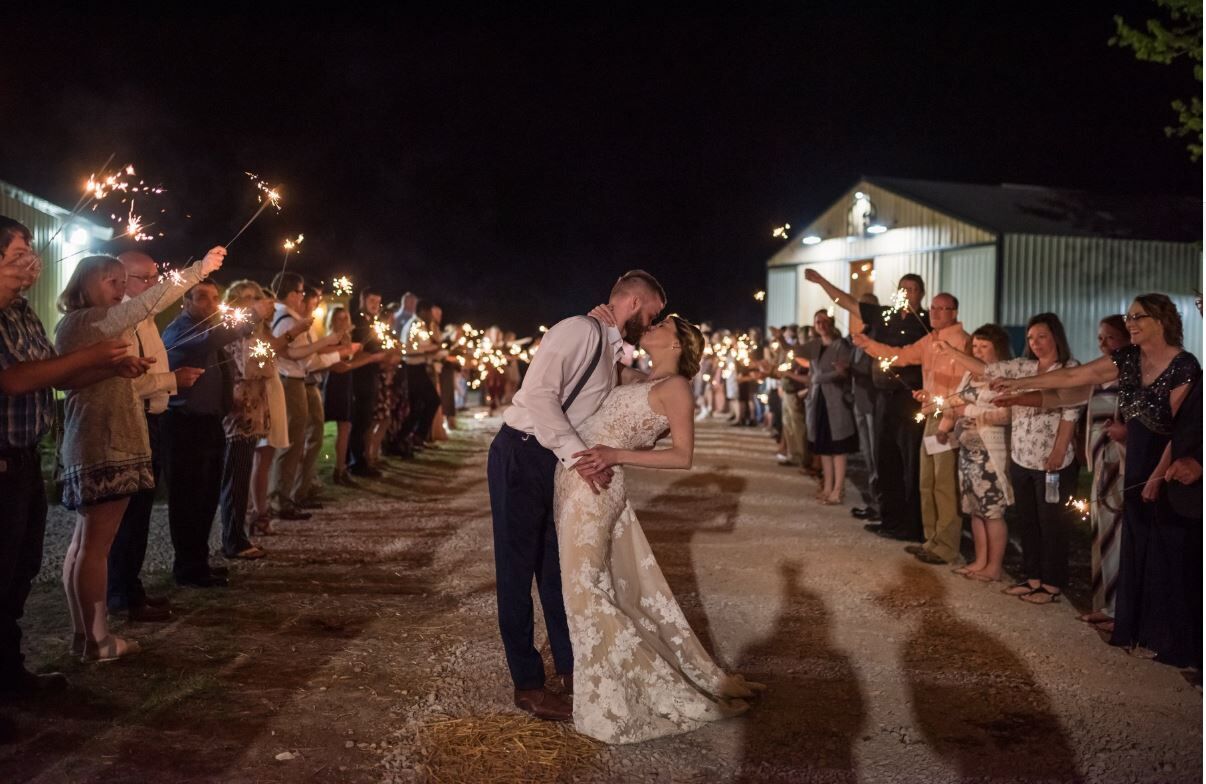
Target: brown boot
<point x="567" y="684"/>
<point x="544" y="705"/>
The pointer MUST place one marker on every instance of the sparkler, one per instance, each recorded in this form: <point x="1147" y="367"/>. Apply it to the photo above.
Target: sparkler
<point x="885" y="364"/>
<point x="93" y="191"/>
<point x="268" y="197"/>
<point x="760" y="296"/>
<point x="382" y="331"/>
<point x="289" y="245"/>
<point x="261" y="351"/>
<point x="780" y="232"/>
<point x="342" y="286"/>
<point x="900" y="302"/>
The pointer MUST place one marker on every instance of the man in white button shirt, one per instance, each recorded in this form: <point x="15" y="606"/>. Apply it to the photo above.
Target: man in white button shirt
<point x="129" y="550"/>
<point x="569" y="378"/>
<point x="293" y="363"/>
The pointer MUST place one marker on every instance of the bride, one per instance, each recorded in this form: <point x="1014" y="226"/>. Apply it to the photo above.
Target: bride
<point x="639" y="671"/>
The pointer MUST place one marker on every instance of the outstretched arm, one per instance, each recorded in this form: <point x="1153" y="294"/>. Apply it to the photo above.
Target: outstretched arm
<point x="841" y="298"/>
<point x="1099" y="371"/>
<point x="673" y="399"/>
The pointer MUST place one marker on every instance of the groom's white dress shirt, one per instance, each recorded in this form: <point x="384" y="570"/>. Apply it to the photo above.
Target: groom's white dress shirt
<point x="563" y="356"/>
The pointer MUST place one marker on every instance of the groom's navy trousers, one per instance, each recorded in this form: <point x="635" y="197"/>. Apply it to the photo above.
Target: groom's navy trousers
<point x="520" y="473"/>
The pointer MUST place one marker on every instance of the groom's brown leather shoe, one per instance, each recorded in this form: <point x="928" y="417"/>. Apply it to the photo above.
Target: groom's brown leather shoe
<point x="543" y="704"/>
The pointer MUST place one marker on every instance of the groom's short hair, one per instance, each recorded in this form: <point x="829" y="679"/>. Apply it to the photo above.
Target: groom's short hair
<point x="638" y="279"/>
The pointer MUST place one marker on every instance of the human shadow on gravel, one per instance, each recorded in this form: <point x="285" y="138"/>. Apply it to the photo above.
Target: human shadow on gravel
<point x="806" y="725"/>
<point x="976" y="702"/>
<point x="697" y="503"/>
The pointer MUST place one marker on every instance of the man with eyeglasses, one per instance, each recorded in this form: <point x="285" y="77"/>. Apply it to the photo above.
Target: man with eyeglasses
<point x="155" y="388"/>
<point x="941" y="521"/>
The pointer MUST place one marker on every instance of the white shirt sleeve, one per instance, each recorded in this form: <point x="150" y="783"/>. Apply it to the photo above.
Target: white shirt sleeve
<point x="552" y="369"/>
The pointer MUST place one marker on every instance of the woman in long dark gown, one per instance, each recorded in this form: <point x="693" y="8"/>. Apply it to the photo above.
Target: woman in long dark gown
<point x="1154" y="375"/>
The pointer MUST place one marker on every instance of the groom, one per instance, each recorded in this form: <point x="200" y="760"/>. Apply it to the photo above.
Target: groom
<point x="570" y="375"/>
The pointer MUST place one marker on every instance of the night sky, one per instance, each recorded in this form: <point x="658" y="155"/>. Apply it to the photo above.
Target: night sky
<point x="511" y="168"/>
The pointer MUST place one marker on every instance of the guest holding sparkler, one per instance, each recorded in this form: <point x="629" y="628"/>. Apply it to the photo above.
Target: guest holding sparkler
<point x="980" y="432"/>
<point x="337" y="392"/>
<point x="1154" y="374"/>
<point x="831" y="428"/>
<point x="126" y="556"/>
<point x="364" y="384"/>
<point x="862" y="368"/>
<point x="941" y="522"/>
<point x="29" y="368"/>
<point x="246" y="422"/>
<point x="292" y="364"/>
<point x="317" y="366"/>
<point x="419" y="348"/>
<point x="194" y="439"/>
<point x="898" y="436"/>
<point x="106" y="451"/>
<point x="1044" y="467"/>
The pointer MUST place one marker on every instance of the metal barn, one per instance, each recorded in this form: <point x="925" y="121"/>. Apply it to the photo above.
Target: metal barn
<point x="1006" y="251"/>
<point x="60" y="254"/>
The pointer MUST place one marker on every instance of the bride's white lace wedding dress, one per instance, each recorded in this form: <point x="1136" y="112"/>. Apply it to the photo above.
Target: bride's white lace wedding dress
<point x="639" y="671"/>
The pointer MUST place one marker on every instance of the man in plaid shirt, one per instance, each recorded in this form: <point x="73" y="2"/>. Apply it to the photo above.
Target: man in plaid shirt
<point x="29" y="367"/>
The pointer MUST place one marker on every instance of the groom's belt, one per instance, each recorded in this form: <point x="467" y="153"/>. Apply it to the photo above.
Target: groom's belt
<point x="518" y="435"/>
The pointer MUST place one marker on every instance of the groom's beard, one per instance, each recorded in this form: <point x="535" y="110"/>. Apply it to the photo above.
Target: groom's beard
<point x="633" y="329"/>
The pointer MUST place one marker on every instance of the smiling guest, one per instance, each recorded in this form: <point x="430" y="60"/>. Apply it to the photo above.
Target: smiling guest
<point x="1153" y="613"/>
<point x="106" y="453"/>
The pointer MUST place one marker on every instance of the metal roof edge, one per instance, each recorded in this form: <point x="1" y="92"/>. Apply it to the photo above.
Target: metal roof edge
<point x="876" y="181"/>
<point x="50" y="208"/>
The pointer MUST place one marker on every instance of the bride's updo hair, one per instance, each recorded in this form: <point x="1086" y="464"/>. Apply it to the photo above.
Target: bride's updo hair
<point x="692" y="342"/>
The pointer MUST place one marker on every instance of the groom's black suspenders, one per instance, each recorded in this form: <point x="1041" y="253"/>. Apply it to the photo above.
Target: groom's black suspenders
<point x="590" y="369"/>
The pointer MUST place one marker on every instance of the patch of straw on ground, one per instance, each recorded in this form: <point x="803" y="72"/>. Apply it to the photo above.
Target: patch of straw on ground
<point x="502" y="748"/>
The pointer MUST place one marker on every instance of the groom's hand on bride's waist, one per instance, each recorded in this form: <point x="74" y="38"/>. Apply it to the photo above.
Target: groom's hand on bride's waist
<point x="598" y="479"/>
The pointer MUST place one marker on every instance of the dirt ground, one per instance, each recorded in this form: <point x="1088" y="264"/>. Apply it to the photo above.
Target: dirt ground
<point x="365" y="650"/>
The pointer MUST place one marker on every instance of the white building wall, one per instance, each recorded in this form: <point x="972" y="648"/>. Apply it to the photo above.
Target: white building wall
<point x="1083" y="279"/>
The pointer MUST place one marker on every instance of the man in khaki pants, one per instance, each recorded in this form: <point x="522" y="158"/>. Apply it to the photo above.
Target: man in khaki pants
<point x="941" y="521"/>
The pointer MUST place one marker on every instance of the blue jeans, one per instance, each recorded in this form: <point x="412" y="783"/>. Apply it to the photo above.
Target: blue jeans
<point x="520" y="473"/>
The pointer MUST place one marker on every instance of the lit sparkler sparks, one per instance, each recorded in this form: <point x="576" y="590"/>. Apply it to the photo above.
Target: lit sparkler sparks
<point x="342" y="286"/>
<point x="900" y="301"/>
<point x="233" y="317"/>
<point x="780" y="232"/>
<point x="384" y="337"/>
<point x="134" y="226"/>
<point x="267" y="197"/>
<point x="760" y="296"/>
<point x="290" y="244"/>
<point x="885" y="364"/>
<point x="176" y="277"/>
<point x="262" y="351"/>
<point x="919" y="417"/>
<point x="1080" y="506"/>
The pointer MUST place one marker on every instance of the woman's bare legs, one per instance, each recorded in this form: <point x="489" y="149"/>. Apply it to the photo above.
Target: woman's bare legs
<point x="90" y="572"/>
<point x="343" y="431"/>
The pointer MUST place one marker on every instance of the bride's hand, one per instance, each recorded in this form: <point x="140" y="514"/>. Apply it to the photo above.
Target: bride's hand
<point x="603" y="313"/>
<point x="591" y="461"/>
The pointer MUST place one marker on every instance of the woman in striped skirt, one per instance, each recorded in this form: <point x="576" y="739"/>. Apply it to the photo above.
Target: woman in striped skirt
<point x="1106" y="450"/>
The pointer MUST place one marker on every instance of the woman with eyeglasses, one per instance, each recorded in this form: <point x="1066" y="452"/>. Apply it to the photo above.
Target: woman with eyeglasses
<point x="1152" y="608"/>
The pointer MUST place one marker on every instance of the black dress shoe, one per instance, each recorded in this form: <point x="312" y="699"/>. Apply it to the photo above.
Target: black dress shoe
<point x="209" y="581"/>
<point x="219" y="570"/>
<point x="888" y="533"/>
<point x="926" y="557"/>
<point x="294" y="514"/>
<point x="365" y="472"/>
<point x="859" y="511"/>
<point x="309" y="505"/>
<point x="156" y="601"/>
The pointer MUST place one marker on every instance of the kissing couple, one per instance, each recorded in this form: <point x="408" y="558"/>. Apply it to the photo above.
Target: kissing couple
<point x="629" y="666"/>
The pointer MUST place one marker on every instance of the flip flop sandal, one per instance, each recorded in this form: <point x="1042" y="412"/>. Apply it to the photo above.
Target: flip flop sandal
<point x="1026" y="589"/>
<point x="1041" y="591"/>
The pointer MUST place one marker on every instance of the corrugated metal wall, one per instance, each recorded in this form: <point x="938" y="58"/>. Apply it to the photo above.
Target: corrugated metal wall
<point x="1083" y="279"/>
<point x="781" y="291"/>
<point x="813" y="298"/>
<point x="971" y="275"/>
<point x="43" y="219"/>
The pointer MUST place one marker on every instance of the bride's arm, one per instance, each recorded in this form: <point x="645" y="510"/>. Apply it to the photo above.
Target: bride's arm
<point x="673" y="399"/>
